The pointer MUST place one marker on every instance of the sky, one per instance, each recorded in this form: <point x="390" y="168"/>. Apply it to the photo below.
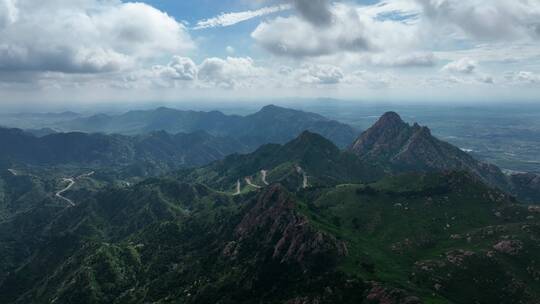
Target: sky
<point x="86" y="51"/>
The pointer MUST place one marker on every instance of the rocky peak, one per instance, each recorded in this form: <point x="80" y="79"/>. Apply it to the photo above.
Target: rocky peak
<point x="388" y="134"/>
<point x="389" y="119"/>
<point x="401" y="147"/>
<point x="422" y="130"/>
<point x="420" y="135"/>
<point x="391" y="139"/>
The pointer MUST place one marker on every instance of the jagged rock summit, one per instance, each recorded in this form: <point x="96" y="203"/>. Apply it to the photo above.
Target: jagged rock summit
<point x="386" y="136"/>
<point x="399" y="147"/>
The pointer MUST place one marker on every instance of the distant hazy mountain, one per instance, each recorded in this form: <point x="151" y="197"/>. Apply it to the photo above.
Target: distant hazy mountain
<point x="61" y="115"/>
<point x="271" y="124"/>
<point x="41" y="132"/>
<point x="158" y="148"/>
<point x="35" y="120"/>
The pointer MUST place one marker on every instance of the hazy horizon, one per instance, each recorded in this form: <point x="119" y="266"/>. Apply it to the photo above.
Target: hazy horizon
<point x="252" y="105"/>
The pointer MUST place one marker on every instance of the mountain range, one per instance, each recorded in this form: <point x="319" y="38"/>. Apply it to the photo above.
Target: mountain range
<point x="272" y="124"/>
<point x="161" y="140"/>
<point x="399" y="217"/>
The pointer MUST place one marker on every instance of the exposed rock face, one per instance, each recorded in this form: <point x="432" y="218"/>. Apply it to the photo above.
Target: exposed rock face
<point x="510" y="247"/>
<point x="274" y="222"/>
<point x="385" y="295"/>
<point x="402" y="147"/>
<point x="534" y="209"/>
<point x="458" y="257"/>
<point x="387" y="135"/>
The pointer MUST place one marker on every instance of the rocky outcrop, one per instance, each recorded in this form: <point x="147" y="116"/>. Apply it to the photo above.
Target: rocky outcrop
<point x="388" y="135"/>
<point x="379" y="294"/>
<point x="510" y="247"/>
<point x="274" y="223"/>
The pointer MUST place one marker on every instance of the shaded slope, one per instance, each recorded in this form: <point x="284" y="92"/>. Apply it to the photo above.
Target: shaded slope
<point x="158" y="148"/>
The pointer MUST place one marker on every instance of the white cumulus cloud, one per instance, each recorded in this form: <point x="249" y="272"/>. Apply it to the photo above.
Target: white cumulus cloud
<point x="352" y="29"/>
<point x="231" y="72"/>
<point x="180" y="68"/>
<point x="525" y="77"/>
<point x="297" y="37"/>
<point x="319" y="74"/>
<point x="485" y="20"/>
<point x="86" y="36"/>
<point x="415" y="59"/>
<point x="463" y="66"/>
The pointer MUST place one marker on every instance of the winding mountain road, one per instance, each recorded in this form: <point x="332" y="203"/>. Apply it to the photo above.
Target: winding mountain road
<point x="85" y="175"/>
<point x="264" y="173"/>
<point x="238" y="186"/>
<point x="71" y="181"/>
<point x="304" y="175"/>
<point x="59" y="193"/>
<point x="250" y="182"/>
